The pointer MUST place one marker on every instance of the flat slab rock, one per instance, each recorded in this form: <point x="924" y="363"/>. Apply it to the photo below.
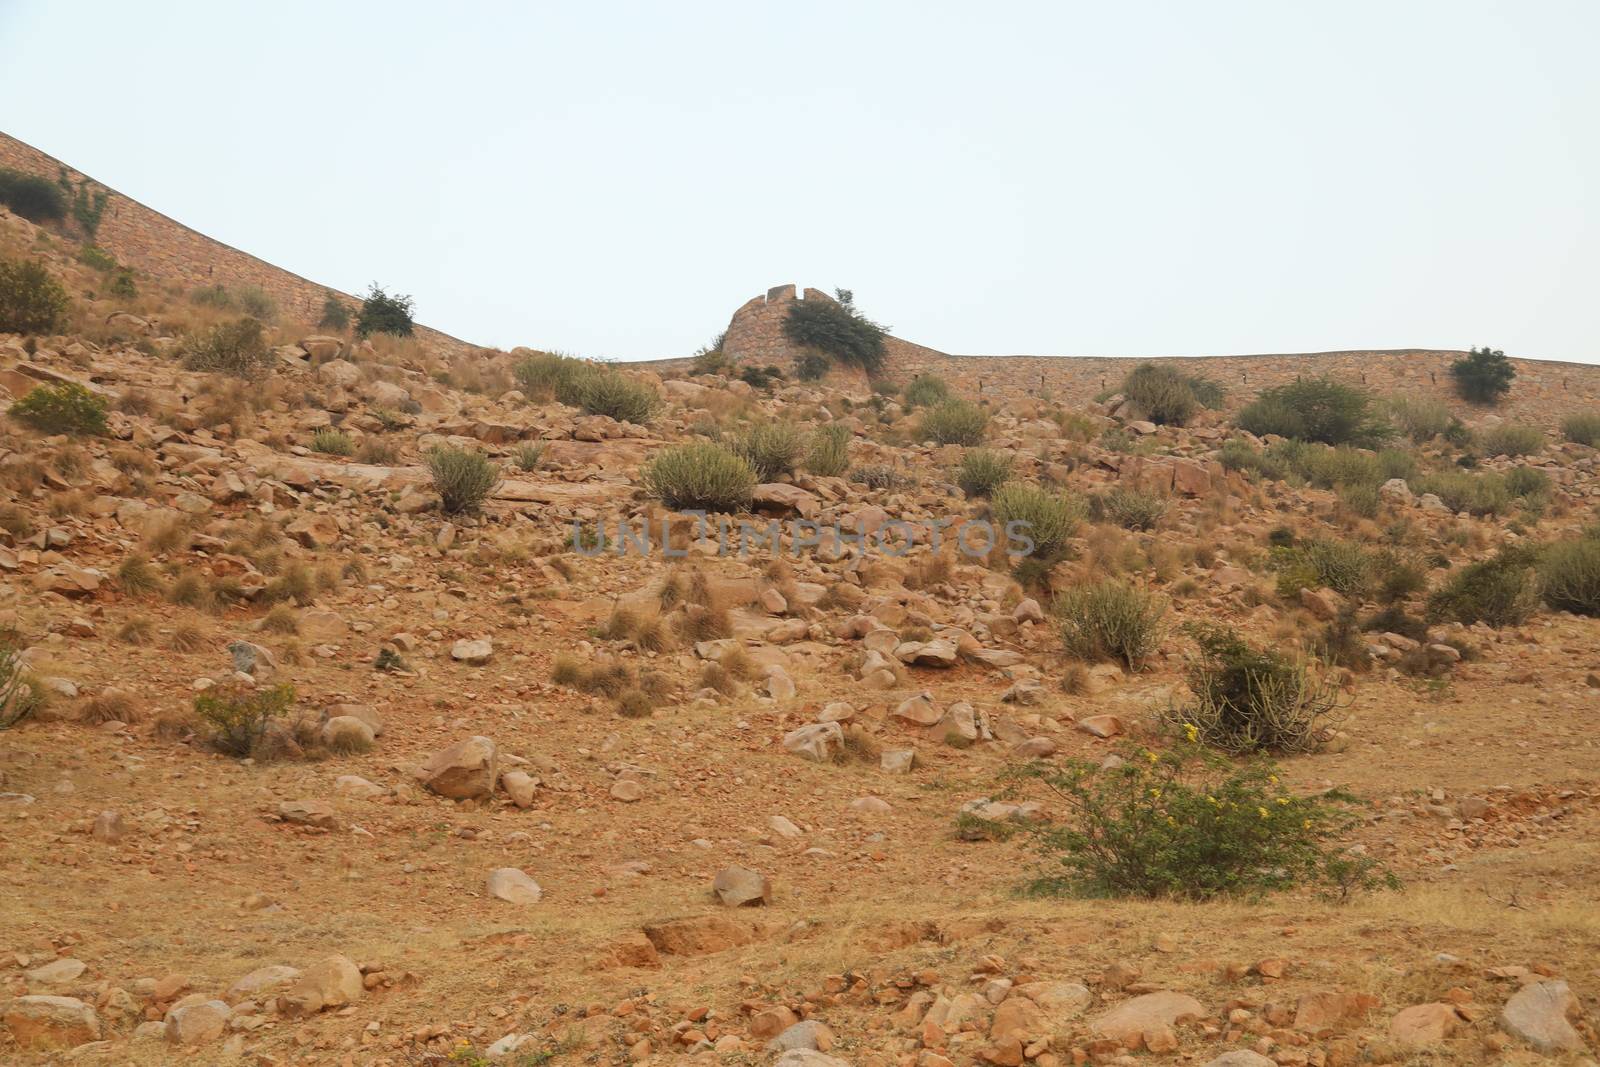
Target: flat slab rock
<point x="1152" y="1011"/>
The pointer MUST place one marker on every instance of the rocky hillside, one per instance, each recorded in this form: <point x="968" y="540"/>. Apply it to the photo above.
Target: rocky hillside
<point x="303" y="767"/>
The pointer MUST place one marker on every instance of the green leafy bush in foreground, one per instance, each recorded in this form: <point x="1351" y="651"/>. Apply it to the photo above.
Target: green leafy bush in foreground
<point x="1110" y="620"/>
<point x="954" y="422"/>
<point x="31" y="300"/>
<point x="1501" y="591"/>
<point x="1191" y="825"/>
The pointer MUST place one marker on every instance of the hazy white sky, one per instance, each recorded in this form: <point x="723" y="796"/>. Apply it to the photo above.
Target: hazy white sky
<point x="613" y="179"/>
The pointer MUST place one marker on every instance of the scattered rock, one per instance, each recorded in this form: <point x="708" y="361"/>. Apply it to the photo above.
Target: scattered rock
<point x="513" y="886"/>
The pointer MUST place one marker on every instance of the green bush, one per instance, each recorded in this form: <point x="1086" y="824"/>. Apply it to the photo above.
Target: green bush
<point x="603" y="391"/>
<point x="332" y="442"/>
<point x="527" y="455"/>
<point x="828" y="454"/>
<point x="1343" y="566"/>
<point x="1359" y="498"/>
<point x="383" y="312"/>
<point x="1247" y="699"/>
<point x="1167" y="396"/>
<point x="768" y="377"/>
<point x="954" y="422"/>
<point x="1501" y="591"/>
<point x="335" y="315"/>
<point x="98" y="258"/>
<point x="1484" y="376"/>
<point x="1315" y="409"/>
<point x="1476" y="494"/>
<point x="548" y="375"/>
<point x="1527" y="482"/>
<point x="837" y="330"/>
<point x="255" y="302"/>
<point x="772" y="449"/>
<point x="238" y="717"/>
<point x="811" y="367"/>
<point x="1418" y="417"/>
<point x="926" y="390"/>
<point x="463" y="478"/>
<point x="881" y="476"/>
<point x="1582" y="429"/>
<point x="35" y="199"/>
<point x="1110" y="620"/>
<point x="1133" y="509"/>
<point x="238" y="348"/>
<point x="1569" y="572"/>
<point x="982" y="471"/>
<point x="1046" y="518"/>
<point x="31" y="301"/>
<point x="701" y="476"/>
<point x="1191" y="825"/>
<point x="64" y="407"/>
<point x="1511" y="439"/>
<point x="215" y="296"/>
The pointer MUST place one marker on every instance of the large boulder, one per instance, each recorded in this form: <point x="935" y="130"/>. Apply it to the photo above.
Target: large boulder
<point x="1539" y="1014"/>
<point x="330" y="983"/>
<point x="464" y="771"/>
<point x="740" y="887"/>
<point x="50" y="1022"/>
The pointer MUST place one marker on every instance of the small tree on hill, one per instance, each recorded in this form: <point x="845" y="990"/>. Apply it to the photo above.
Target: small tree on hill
<point x="382" y="312"/>
<point x="838" y="330"/>
<point x="1484" y="376"/>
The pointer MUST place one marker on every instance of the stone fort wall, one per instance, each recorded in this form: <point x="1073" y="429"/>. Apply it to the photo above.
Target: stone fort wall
<point x="1544" y="392"/>
<point x="164" y="248"/>
<point x="755" y="334"/>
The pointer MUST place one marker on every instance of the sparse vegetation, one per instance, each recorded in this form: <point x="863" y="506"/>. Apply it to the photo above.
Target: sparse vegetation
<point x="335" y="314"/>
<point x="1047" y="519"/>
<point x="1132" y="509"/>
<point x="1418" y="417"/>
<point x="837" y="330"/>
<point x="1501" y="591"/>
<point x="1569" y="574"/>
<point x="31" y="300"/>
<point x="926" y="390"/>
<point x="332" y="442"/>
<point x="1483" y="376"/>
<point x="701" y="476"/>
<point x="982" y="472"/>
<point x="238" y="348"/>
<point x="462" y="477"/>
<point x="527" y="455"/>
<point x="1193" y="826"/>
<point x="64" y="407"/>
<point x="955" y="422"/>
<point x="1248" y="699"/>
<point x="237" y="718"/>
<point x="828" y="453"/>
<point x="1166" y="396"/>
<point x="773" y="449"/>
<point x="1110" y="620"/>
<point x="1582" y="429"/>
<point x="1315" y="409"/>
<point x="1511" y="439"/>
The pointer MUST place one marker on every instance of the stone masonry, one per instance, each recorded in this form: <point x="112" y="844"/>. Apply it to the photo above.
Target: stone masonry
<point x="164" y="248"/>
